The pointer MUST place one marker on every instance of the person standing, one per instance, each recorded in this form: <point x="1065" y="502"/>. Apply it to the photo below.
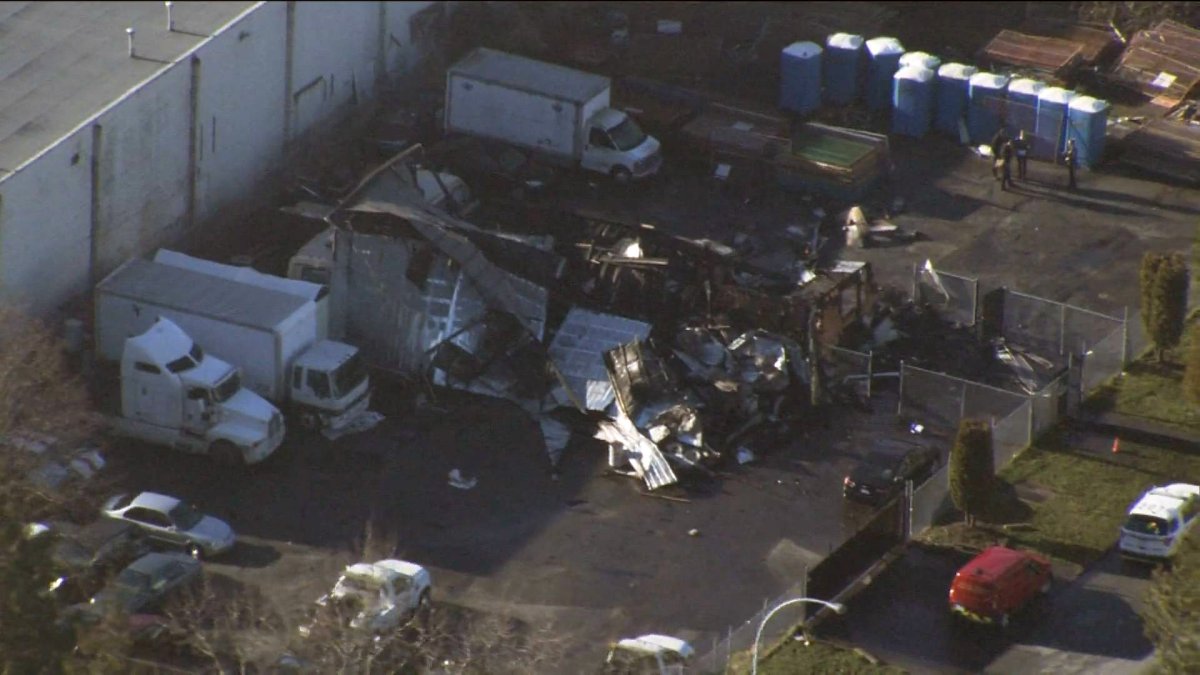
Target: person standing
<point x="998" y="141"/>
<point x="1006" y="160"/>
<point x="1021" y="146"/>
<point x="1069" y="157"/>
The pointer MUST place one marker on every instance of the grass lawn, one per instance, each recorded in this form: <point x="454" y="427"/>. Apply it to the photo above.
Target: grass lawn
<point x="1152" y="390"/>
<point x="1072" y="501"/>
<point x="818" y="657"/>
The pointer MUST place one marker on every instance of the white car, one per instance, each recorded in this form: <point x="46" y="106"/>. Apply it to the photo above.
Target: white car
<point x="382" y="596"/>
<point x="653" y="653"/>
<point x="1159" y="520"/>
<point x="175" y="523"/>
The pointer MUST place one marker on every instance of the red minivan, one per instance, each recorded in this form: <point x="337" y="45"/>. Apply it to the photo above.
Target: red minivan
<point x="997" y="584"/>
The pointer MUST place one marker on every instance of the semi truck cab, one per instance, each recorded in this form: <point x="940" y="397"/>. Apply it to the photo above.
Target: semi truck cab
<point x="330" y="385"/>
<point x="617" y="146"/>
<point x="175" y="394"/>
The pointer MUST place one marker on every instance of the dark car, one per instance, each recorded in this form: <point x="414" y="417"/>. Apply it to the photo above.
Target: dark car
<point x="883" y="472"/>
<point x="84" y="557"/>
<point x="145" y="584"/>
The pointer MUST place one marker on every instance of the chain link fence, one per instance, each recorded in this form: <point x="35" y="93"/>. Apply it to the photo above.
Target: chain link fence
<point x="741" y="639"/>
<point x="846" y="368"/>
<point x="942" y="401"/>
<point x="954" y="296"/>
<point x="929" y="500"/>
<point x="1054" y="328"/>
<point x="1012" y="433"/>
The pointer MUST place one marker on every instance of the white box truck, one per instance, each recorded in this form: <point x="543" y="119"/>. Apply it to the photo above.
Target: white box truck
<point x="173" y="393"/>
<point x="273" y="336"/>
<point x="561" y="113"/>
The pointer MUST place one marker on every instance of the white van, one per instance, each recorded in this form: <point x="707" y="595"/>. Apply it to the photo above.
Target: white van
<point x="1159" y="520"/>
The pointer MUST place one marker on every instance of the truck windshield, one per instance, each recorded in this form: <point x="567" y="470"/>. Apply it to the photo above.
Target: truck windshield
<point x="227" y="387"/>
<point x="349" y="375"/>
<point x="194" y="356"/>
<point x="627" y="135"/>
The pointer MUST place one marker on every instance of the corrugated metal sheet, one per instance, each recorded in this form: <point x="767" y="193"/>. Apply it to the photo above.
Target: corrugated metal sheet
<point x="201" y="293"/>
<point x="1051" y="55"/>
<point x="529" y="75"/>
<point x="578" y="350"/>
<point x="1164" y="61"/>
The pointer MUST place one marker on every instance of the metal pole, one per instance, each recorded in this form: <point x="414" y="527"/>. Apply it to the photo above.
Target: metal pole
<point x="870" y="371"/>
<point x="962" y="406"/>
<point x="1062" y="328"/>
<point x="900" y="402"/>
<point x="915" y="274"/>
<point x="837" y="607"/>
<point x="1125" y="339"/>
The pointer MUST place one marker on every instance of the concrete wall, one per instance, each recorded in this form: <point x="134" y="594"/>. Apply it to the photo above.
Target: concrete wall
<point x="198" y="137"/>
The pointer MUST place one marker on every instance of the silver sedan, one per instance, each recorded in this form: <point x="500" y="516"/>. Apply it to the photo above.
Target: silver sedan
<point x="175" y="523"/>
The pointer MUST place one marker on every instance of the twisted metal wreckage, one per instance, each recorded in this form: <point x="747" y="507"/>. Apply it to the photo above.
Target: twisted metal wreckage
<point x="427" y="295"/>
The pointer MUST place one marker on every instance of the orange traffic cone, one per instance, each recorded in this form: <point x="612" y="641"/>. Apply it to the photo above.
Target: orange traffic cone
<point x="1116" y="445"/>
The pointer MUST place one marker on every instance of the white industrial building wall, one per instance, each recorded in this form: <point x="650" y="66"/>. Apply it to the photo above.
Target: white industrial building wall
<point x="240" y="106"/>
<point x="197" y="137"/>
<point x="45" y="226"/>
<point x="142" y="172"/>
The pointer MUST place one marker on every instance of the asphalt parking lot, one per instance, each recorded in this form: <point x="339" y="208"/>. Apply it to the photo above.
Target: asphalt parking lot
<point x="585" y="552"/>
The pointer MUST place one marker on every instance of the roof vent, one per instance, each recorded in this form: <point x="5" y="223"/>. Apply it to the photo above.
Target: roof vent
<point x="170" y="19"/>
<point x="129" y="31"/>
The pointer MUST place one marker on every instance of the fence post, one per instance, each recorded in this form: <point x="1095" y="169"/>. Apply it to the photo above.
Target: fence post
<point x="908" y="501"/>
<point x="1125" y="339"/>
<point x="915" y="274"/>
<point x="962" y="404"/>
<point x="870" y="371"/>
<point x="1029" y="426"/>
<point x="900" y="401"/>
<point x="1062" y="328"/>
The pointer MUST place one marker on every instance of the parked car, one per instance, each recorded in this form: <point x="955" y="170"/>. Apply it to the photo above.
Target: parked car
<point x="169" y="521"/>
<point x="375" y="597"/>
<point x="882" y="473"/>
<point x="998" y="584"/>
<point x="83" y="557"/>
<point x="144" y="585"/>
<point x="1158" y="521"/>
<point x="55" y="465"/>
<point x="648" y="655"/>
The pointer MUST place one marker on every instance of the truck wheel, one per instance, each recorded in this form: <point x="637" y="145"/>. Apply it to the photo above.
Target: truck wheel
<point x="621" y="175"/>
<point x="424" y="605"/>
<point x="226" y="453"/>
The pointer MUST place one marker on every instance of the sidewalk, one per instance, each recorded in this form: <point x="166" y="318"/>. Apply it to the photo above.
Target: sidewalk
<point x="1140" y="430"/>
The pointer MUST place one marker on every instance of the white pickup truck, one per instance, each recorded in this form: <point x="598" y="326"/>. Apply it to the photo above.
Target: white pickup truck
<point x="375" y="597"/>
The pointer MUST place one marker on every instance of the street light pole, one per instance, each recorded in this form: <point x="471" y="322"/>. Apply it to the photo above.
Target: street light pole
<point x="835" y="606"/>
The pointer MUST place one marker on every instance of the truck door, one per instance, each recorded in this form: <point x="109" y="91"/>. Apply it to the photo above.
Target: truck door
<point x="155" y="398"/>
<point x="196" y="414"/>
<point x="600" y="153"/>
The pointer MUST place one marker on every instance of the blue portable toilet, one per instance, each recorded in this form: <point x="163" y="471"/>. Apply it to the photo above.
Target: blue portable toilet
<point x="1022" y="106"/>
<point x="1050" y="133"/>
<point x="986" y="106"/>
<point x="921" y="60"/>
<point x="950" y="101"/>
<point x="883" y="60"/>
<point x="1087" y="124"/>
<point x="912" y="101"/>
<point x="800" y="77"/>
<point x="843" y="63"/>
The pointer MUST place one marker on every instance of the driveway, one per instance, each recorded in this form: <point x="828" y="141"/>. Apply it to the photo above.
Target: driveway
<point x="1085" y="626"/>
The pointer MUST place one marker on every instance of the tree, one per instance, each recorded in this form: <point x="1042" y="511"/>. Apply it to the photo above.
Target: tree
<point x="1146" y="277"/>
<point x="1191" y="373"/>
<point x="1172" y="605"/>
<point x="38" y="393"/>
<point x="1168" y="300"/>
<point x="972" y="468"/>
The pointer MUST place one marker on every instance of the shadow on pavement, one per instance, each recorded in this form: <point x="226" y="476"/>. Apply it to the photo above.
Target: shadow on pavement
<point x="1093" y="621"/>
